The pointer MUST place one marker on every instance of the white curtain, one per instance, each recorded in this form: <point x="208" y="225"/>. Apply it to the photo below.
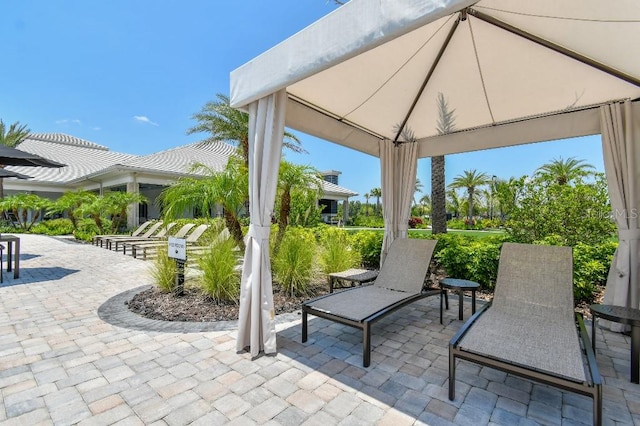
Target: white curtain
<point x="256" y="326"/>
<point x="399" y="165"/>
<point x="620" y="139"/>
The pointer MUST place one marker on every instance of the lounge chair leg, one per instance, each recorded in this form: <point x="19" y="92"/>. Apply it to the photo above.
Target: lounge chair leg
<point x="366" y="344"/>
<point x="452" y="374"/>
<point x="304" y="325"/>
<point x="597" y="406"/>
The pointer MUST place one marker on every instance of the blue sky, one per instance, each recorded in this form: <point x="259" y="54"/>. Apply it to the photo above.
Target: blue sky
<point x="129" y="75"/>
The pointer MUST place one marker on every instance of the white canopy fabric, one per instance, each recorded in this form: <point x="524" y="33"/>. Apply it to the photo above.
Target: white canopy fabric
<point x="356" y="73"/>
<point x="620" y="143"/>
<point x="515" y="72"/>
<point x="256" y="326"/>
<point x="399" y="163"/>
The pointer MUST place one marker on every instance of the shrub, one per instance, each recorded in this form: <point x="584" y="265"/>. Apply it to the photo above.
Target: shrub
<point x="293" y="265"/>
<point x="369" y="245"/>
<point x="369" y="221"/>
<point x="590" y="268"/>
<point x="53" y="227"/>
<point x="87" y="228"/>
<point x="163" y="270"/>
<point x="470" y="258"/>
<point x="337" y="253"/>
<point x="221" y="277"/>
<point x="415" y="222"/>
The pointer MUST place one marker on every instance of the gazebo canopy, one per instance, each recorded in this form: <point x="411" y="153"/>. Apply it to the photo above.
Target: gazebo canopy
<point x="515" y="72"/>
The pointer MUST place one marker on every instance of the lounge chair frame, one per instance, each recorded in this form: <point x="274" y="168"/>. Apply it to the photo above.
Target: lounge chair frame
<point x="365" y="324"/>
<point x="591" y="387"/>
<point x="399" y="283"/>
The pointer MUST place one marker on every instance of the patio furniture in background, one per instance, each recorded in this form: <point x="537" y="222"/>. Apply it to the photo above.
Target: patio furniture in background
<point x="161" y="234"/>
<point x="192" y="238"/>
<point x="400" y="282"/>
<point x="100" y="238"/>
<point x="529" y="329"/>
<point x="353" y="276"/>
<point x="622" y="315"/>
<point x="13" y="253"/>
<point x="459" y="286"/>
<point x="155" y="228"/>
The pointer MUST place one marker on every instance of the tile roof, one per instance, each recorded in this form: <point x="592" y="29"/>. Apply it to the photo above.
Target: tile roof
<point x="86" y="160"/>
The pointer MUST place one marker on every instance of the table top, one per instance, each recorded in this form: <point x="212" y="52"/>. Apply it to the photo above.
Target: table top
<point x="619" y="314"/>
<point x="8" y="237"/>
<point x="458" y="283"/>
<point x="355" y="274"/>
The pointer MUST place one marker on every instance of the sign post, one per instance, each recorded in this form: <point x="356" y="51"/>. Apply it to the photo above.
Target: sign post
<point x="178" y="251"/>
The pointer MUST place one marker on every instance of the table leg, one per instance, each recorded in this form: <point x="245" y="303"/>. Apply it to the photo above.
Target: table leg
<point x="16" y="269"/>
<point x="331" y="285"/>
<point x="9" y="255"/>
<point x="441" y="296"/>
<point x="635" y="354"/>
<point x="473" y="301"/>
<point x="460" y="296"/>
<point x="593" y="333"/>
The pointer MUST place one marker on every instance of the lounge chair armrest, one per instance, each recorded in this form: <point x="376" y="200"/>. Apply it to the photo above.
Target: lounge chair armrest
<point x="591" y="356"/>
<point x="467" y="325"/>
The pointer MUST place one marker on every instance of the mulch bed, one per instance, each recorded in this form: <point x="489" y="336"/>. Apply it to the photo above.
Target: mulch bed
<point x="194" y="306"/>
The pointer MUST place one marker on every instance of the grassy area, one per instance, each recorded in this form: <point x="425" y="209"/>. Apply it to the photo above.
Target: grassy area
<point x="469" y="232"/>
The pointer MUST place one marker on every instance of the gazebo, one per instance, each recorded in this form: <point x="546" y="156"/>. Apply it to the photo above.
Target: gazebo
<point x="515" y="72"/>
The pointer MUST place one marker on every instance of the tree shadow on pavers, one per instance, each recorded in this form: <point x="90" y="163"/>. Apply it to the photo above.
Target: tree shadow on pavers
<point x="36" y="275"/>
<point x="23" y="256"/>
<point x="409" y="356"/>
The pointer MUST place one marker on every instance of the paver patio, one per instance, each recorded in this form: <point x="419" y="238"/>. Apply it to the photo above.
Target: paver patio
<point x="61" y="363"/>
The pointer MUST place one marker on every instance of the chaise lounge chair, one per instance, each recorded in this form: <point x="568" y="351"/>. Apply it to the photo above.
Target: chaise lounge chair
<point x="98" y="239"/>
<point x="399" y="283"/>
<point x="108" y="241"/>
<point x="529" y="329"/>
<point x="190" y="239"/>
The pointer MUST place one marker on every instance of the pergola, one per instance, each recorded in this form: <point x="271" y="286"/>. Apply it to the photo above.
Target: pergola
<point x="515" y="72"/>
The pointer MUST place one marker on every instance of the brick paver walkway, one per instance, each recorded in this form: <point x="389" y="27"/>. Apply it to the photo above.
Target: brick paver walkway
<point x="61" y="363"/>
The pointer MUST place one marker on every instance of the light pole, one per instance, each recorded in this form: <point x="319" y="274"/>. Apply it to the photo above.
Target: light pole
<point x="493" y="185"/>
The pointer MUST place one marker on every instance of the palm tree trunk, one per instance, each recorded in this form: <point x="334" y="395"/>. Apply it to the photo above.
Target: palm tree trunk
<point x="470" y="205"/>
<point x="438" y="200"/>
<point x="233" y="225"/>
<point x="283" y="220"/>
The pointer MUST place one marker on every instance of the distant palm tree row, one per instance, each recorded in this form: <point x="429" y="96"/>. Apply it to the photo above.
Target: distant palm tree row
<point x="491" y="192"/>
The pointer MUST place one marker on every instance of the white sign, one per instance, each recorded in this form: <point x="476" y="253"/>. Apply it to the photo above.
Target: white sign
<point x="178" y="248"/>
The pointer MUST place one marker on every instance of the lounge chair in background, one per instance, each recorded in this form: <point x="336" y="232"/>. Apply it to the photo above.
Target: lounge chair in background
<point x="107" y="241"/>
<point x="179" y="234"/>
<point x="530" y="328"/>
<point x="99" y="239"/>
<point x="190" y="239"/>
<point x="161" y="233"/>
<point x="400" y="282"/>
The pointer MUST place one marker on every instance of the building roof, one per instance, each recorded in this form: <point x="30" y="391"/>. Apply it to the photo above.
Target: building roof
<point x="87" y="160"/>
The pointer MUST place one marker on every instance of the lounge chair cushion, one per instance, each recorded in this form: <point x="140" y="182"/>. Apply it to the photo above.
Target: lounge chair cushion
<point x="534" y="342"/>
<point x="359" y="303"/>
<point x="406" y="265"/>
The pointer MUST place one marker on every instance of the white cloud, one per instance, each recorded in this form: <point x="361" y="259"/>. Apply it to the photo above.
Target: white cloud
<point x="144" y="119"/>
<point x="96" y="128"/>
<point x="65" y="121"/>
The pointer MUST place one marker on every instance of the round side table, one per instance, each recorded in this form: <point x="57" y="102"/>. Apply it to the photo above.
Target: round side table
<point x="458" y="286"/>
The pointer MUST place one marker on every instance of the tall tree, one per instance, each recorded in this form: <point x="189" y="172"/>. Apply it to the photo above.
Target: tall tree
<point x="564" y="171"/>
<point x="224" y="123"/>
<point x="454" y="202"/>
<point x="445" y="124"/>
<point x="425" y="203"/>
<point x="377" y="193"/>
<point x="366" y="197"/>
<point x="470" y="180"/>
<point x="291" y="177"/>
<point x="417" y="189"/>
<point x="11" y="137"/>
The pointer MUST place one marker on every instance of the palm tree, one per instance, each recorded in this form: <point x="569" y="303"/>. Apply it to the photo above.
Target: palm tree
<point x="417" y="189"/>
<point x="70" y="203"/>
<point x="11" y="137"/>
<point x="445" y="124"/>
<point x="376" y="192"/>
<point x="224" y="123"/>
<point x="454" y="202"/>
<point x="293" y="177"/>
<point x="564" y="171"/>
<point x="425" y="202"/>
<point x="227" y="188"/>
<point x="366" y="210"/>
<point x="470" y="180"/>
